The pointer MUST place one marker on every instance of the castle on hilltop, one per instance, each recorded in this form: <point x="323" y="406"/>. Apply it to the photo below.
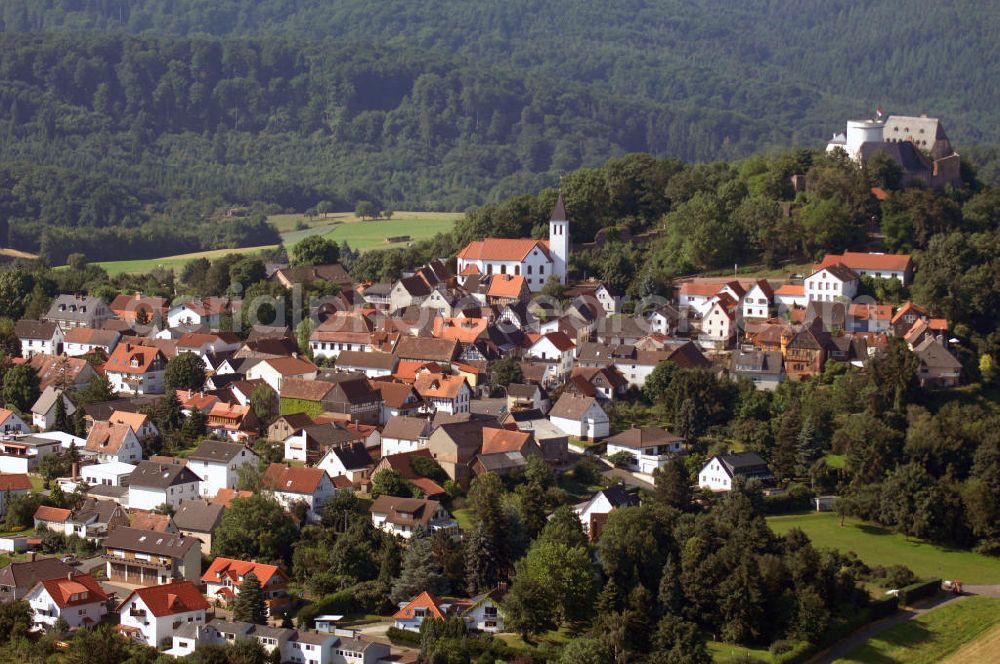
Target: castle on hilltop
<point x="918" y="144"/>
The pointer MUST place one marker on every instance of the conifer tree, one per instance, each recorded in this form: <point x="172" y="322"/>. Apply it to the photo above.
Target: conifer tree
<point x="250" y="601"/>
<point x="420" y="570"/>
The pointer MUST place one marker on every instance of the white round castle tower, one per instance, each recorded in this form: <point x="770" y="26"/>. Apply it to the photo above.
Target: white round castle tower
<point x="860" y="132"/>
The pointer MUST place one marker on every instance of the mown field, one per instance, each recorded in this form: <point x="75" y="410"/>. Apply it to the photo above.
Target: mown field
<point x="878" y="546"/>
<point x="362" y="235"/>
<point x="935" y="635"/>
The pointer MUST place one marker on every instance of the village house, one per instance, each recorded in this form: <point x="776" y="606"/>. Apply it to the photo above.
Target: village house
<point x="721" y="471"/>
<point x="61" y="371"/>
<point x="553" y="441"/>
<point x="790" y="296"/>
<point x="85" y="340"/>
<point x="135" y="369"/>
<point x="19" y="577"/>
<point x="307" y="274"/>
<point x="454" y="446"/>
<point x="141" y="424"/>
<point x="274" y="371"/>
<point x="23" y="454"/>
<point x="594" y="512"/>
<point x="43" y="411"/>
<point x="290" y="486"/>
<point x="504" y="450"/>
<point x="718" y="325"/>
<point x="580" y="417"/>
<point x="312" y="441"/>
<point x="425" y="349"/>
<point x="412" y="614"/>
<point x="351" y="461"/>
<point x="150" y="558"/>
<point x="108" y="441"/>
<point x="153" y="615"/>
<point x="112" y="473"/>
<point x="351" y="397"/>
<point x="224" y="577"/>
<point x="757" y="301"/>
<point x="11" y="423"/>
<point x="765" y="368"/>
<point x="70" y="311"/>
<point x="650" y="447"/>
<point x="832" y="283"/>
<point x="218" y="464"/>
<point x="398" y="399"/>
<point x="198" y="312"/>
<point x="12" y="485"/>
<point x="204" y="344"/>
<point x="526" y="395"/>
<point x="876" y="265"/>
<point x="76" y="598"/>
<point x="402" y="463"/>
<point x="233" y="422"/>
<point x="554" y="347"/>
<point x="154" y="483"/>
<point x="938" y="367"/>
<point x="449" y="394"/>
<point x="408" y="291"/>
<point x="198" y="519"/>
<point x="401" y="516"/>
<point x="38" y="338"/>
<point x="372" y="364"/>
<point x="92" y="519"/>
<point x="405" y="434"/>
<point x="128" y="307"/>
<point x="507" y="289"/>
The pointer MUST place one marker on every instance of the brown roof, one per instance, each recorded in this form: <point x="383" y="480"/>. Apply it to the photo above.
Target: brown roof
<point x="394" y="395"/>
<point x="857" y="260"/>
<point x="405" y="511"/>
<point x="148" y="541"/>
<point x="572" y="406"/>
<point x="402" y="427"/>
<point x="198" y="515"/>
<point x="34" y="329"/>
<point x="26" y="574"/>
<point x="306" y="390"/>
<point x="638" y="437"/>
<point x="286" y="479"/>
<point x="290" y="366"/>
<point x="497" y="441"/>
<point x="15" y="482"/>
<point x="89" y="335"/>
<point x="52" y="514"/>
<point x="372" y="360"/>
<point x="420" y="348"/>
<point x="143" y="520"/>
<point x="107" y="437"/>
<point x="52" y="369"/>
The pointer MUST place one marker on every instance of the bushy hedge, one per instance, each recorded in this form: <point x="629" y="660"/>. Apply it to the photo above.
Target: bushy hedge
<point x="915" y="591"/>
<point x="883" y="607"/>
<point x="798" y="498"/>
<point x="403" y="636"/>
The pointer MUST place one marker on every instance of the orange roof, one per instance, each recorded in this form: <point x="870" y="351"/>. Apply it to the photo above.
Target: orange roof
<point x="124" y="354"/>
<point x="235" y="570"/>
<point x="5" y="414"/>
<point x="199" y="339"/>
<point x="870" y="311"/>
<point x="506" y="285"/>
<point x="791" y="290"/>
<point x="74" y="590"/>
<point x="938" y="324"/>
<point x="18" y="482"/>
<point x="428" y="486"/>
<point x="407" y="370"/>
<point x="143" y="520"/>
<point x="286" y="479"/>
<point x="439" y="386"/>
<point x="51" y="514"/>
<point x="196" y="400"/>
<point x="496" y="441"/>
<point x="290" y="366"/>
<point x="700" y="288"/>
<point x="857" y="260"/>
<point x="225" y="497"/>
<point x="169" y="599"/>
<point x="907" y="308"/>
<point x="135" y="421"/>
<point x="499" y="249"/>
<point x="879" y="193"/>
<point x="464" y="330"/>
<point x="107" y="437"/>
<point x="424" y="600"/>
<point x="469" y="270"/>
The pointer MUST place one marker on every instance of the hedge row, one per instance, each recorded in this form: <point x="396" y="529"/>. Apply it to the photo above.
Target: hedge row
<point x="915" y="591"/>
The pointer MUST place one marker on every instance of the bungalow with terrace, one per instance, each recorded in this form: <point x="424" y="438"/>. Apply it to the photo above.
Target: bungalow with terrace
<point x="23" y="454"/>
<point x="650" y="447"/>
<point x="150" y="558"/>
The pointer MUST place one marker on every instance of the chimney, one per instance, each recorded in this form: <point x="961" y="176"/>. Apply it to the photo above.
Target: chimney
<point x="69" y="575"/>
<point x="75" y="468"/>
<point x="31" y="556"/>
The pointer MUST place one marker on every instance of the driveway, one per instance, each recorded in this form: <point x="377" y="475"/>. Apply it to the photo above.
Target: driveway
<point x="629" y="478"/>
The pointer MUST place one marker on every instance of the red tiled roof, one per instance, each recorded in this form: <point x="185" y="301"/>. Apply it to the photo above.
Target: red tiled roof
<point x="407" y="370"/>
<point x="169" y="599"/>
<point x="501" y="249"/>
<point x="235" y="570"/>
<point x="107" y="437"/>
<point x="123" y="355"/>
<point x="440" y="386"/>
<point x="465" y="330"/>
<point x="286" y="479"/>
<point x="506" y="285"/>
<point x="83" y="587"/>
<point x="907" y="308"/>
<point x="225" y="497"/>
<point x="143" y="520"/>
<point x="791" y="290"/>
<point x="290" y="366"/>
<point x="424" y="600"/>
<point x="496" y="441"/>
<point x="857" y="260"/>
<point x="15" y="482"/>
<point x="559" y="339"/>
<point x="135" y="421"/>
<point x="52" y="514"/>
<point x="699" y="288"/>
<point x="938" y="324"/>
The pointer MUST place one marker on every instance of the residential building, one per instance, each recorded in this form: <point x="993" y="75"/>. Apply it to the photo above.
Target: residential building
<point x="504" y="451"/>
<point x="128" y="307"/>
<point x="150" y="558"/>
<point x="70" y="311"/>
<point x="224" y="577"/>
<point x="401" y="516"/>
<point x="38" y="338"/>
<point x="484" y="612"/>
<point x="351" y="461"/>
<point x="233" y="422"/>
<point x="198" y="312"/>
<point x="833" y="283"/>
<point x="938" y="367"/>
<point x="135" y="369"/>
<point x="153" y="614"/>
<point x="721" y="471"/>
<point x="876" y="265"/>
<point x="43" y="411"/>
<point x="198" y="519"/>
<point x="765" y="368"/>
<point x="427" y="349"/>
<point x="449" y="394"/>
<point x="23" y="454"/>
<point x="405" y="434"/>
<point x="554" y="347"/>
<point x="218" y="464"/>
<point x="141" y="424"/>
<point x="398" y="399"/>
<point x="290" y="486"/>
<point x="61" y="371"/>
<point x="19" y="577"/>
<point x="153" y="484"/>
<point x="11" y="485"/>
<point x="412" y="614"/>
<point x="372" y="364"/>
<point x="111" y="473"/>
<point x="85" y="340"/>
<point x="757" y="302"/>
<point x="11" y="423"/>
<point x="594" y="512"/>
<point x="581" y="417"/>
<point x="455" y="445"/>
<point x="76" y="598"/>
<point x="274" y="371"/>
<point x="650" y="447"/>
<point x="108" y="441"/>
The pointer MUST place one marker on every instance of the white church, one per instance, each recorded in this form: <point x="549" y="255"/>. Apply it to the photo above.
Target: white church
<point x="536" y="260"/>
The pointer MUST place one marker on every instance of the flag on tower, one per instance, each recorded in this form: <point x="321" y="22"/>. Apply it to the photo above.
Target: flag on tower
<point x="878" y="111"/>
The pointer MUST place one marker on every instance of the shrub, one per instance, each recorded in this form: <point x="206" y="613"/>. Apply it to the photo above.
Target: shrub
<point x="916" y="591"/>
<point x="622" y="459"/>
<point x="894" y="576"/>
<point x="403" y="637"/>
<point x="781" y="646"/>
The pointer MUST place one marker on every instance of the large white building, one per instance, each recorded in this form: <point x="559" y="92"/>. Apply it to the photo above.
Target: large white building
<point x="834" y="283"/>
<point x="218" y="464"/>
<point x="536" y="260"/>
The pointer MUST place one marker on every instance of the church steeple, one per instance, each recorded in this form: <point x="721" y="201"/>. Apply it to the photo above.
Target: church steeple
<point x="559" y="211"/>
<point x="559" y="239"/>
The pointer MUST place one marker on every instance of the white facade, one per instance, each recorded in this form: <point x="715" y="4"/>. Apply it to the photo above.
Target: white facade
<point x="314" y="501"/>
<point x="545" y="349"/>
<point x="45" y="612"/>
<point x="155" y="629"/>
<point x="273" y="377"/>
<point x="217" y="475"/>
<point x="593" y="425"/>
<point x="718" y="326"/>
<point x="714" y="476"/>
<point x="485" y="616"/>
<point x="825" y="286"/>
<point x="756" y="303"/>
<point x="650" y="457"/>
<point x="150" y="382"/>
<point x="559" y="247"/>
<point x="32" y="347"/>
<point x="149" y="498"/>
<point x="76" y="349"/>
<point x="114" y="473"/>
<point x="858" y="133"/>
<point x="635" y="372"/>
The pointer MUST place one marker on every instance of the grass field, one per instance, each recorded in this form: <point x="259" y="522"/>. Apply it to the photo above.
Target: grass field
<point x="362" y="235"/>
<point x="836" y="460"/>
<point x="878" y="546"/>
<point x="983" y="649"/>
<point x="727" y="652"/>
<point x="933" y="635"/>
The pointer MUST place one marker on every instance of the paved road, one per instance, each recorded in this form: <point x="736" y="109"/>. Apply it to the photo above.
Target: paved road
<point x="845" y="646"/>
<point x="629" y="478"/>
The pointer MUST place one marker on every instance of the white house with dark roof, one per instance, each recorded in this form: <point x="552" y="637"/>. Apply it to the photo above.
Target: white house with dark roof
<point x="405" y="434"/>
<point x="351" y="461"/>
<point x="218" y="464"/>
<point x="78" y="310"/>
<point x="38" y="337"/>
<point x="594" y="512"/>
<point x="153" y="483"/>
<point x="536" y="260"/>
<point x="832" y="283"/>
<point x="581" y="417"/>
<point x="650" y="447"/>
<point x="372" y="364"/>
<point x="43" y="411"/>
<point x="721" y="471"/>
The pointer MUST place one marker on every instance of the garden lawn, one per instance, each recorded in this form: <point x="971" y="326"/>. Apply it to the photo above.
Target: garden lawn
<point x="933" y="635"/>
<point x="878" y="546"/>
<point x="464" y="518"/>
<point x="176" y="262"/>
<point x="728" y="652"/>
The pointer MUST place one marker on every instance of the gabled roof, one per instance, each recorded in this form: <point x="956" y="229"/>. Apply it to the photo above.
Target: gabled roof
<point x="394" y="395"/>
<point x="425" y="601"/>
<point x="26" y="574"/>
<point x="933" y="355"/>
<point x="572" y="406"/>
<point x="236" y="570"/>
<point x="290" y="366"/>
<point x="403" y="427"/>
<point x="427" y="349"/>
<point x="909" y="308"/>
<point x="286" y="479"/>
<point x="838" y="271"/>
<point x="858" y="260"/>
<point x="52" y="514"/>
<point x="107" y="437"/>
<point x="415" y="286"/>
<point x="15" y="482"/>
<point x="306" y="390"/>
<point x="364" y="360"/>
<point x="148" y="541"/>
<point x="124" y="354"/>
<point x="160" y="523"/>
<point x="439" y="386"/>
<point x="169" y="599"/>
<point x="618" y="496"/>
<point x="91" y="336"/>
<point x="74" y="590"/>
<point x="198" y="515"/>
<point x="47" y="400"/>
<point x="134" y="420"/>
<point x="59" y="370"/>
<point x="155" y="475"/>
<point x="217" y="451"/>
<point x="560" y="340"/>
<point x="498" y="441"/>
<point x="405" y="511"/>
<point x="353" y="456"/>
<point x="506" y="285"/>
<point x="791" y="290"/>
<point x="744" y="463"/>
<point x="225" y="497"/>
<point x="501" y="249"/>
<point x="638" y="437"/>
